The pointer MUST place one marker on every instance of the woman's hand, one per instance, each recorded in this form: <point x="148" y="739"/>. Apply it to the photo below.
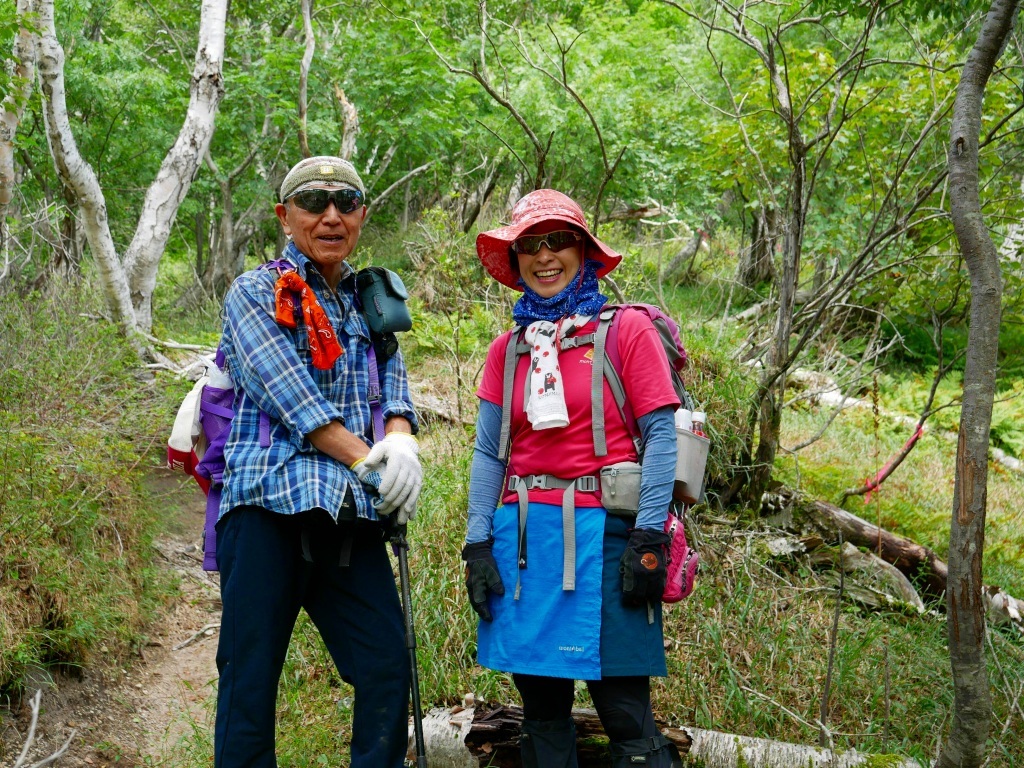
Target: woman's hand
<point x="482" y="576"/>
<point x="643" y="566"/>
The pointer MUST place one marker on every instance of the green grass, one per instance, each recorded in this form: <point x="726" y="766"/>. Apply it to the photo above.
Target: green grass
<point x="76" y="423"/>
<point x="917" y="500"/>
<point x="747" y="652"/>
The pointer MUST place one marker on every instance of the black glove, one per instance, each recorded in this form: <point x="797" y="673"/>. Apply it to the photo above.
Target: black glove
<point x="481" y="576"/>
<point x="643" y="566"/>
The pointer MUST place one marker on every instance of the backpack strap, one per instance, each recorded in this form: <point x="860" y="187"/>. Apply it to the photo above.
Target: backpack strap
<point x="373" y="395"/>
<point x="612" y="372"/>
<point x="600" y="369"/>
<point x="521" y="486"/>
<point x="512" y="353"/>
<point x="220" y="360"/>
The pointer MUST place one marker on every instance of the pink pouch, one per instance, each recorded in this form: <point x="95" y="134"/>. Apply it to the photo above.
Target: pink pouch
<point x="682" y="561"/>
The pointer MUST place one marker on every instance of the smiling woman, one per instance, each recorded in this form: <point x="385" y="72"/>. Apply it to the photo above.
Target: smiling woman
<point x="548" y="257"/>
<point x="589" y="606"/>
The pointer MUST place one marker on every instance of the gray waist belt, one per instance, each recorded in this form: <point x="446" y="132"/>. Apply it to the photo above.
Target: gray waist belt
<point x="522" y="486"/>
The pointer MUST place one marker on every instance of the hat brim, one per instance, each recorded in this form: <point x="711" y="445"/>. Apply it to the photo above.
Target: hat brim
<point x="494" y="248"/>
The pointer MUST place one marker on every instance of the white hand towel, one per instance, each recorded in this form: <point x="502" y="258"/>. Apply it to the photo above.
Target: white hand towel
<point x="545" y="407"/>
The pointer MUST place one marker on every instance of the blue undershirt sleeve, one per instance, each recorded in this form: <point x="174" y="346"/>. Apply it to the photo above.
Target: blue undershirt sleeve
<point x="657" y="475"/>
<point x="487" y="475"/>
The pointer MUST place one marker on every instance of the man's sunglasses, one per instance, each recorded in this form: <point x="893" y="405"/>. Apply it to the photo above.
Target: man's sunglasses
<point x="317" y="200"/>
<point x="528" y="245"/>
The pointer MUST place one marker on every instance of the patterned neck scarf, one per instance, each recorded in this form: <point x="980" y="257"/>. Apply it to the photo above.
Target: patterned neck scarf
<point x="580" y="297"/>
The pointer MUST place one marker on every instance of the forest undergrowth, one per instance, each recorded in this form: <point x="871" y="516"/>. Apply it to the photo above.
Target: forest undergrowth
<point x="748" y="652"/>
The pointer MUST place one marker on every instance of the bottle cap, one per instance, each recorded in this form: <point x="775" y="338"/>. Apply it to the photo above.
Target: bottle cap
<point x="698" y="417"/>
<point x="683" y="420"/>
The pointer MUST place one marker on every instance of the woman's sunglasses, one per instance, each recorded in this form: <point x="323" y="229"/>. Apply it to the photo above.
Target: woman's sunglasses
<point x="317" y="200"/>
<point x="528" y="245"/>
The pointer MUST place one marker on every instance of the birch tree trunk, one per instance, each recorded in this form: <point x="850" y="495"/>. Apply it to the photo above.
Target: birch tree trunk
<point x="129" y="287"/>
<point x="972" y="702"/>
<point x="77" y="174"/>
<point x="172" y="182"/>
<point x="349" y="124"/>
<point x="490" y="736"/>
<point x="11" y="110"/>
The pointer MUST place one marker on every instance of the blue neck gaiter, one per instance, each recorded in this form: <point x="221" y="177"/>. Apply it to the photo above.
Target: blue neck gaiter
<point x="579" y="297"/>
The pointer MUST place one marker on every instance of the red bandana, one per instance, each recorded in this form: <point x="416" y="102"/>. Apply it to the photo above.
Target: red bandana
<point x="323" y="343"/>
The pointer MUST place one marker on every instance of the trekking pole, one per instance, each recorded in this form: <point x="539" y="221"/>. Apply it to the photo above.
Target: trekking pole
<point x="401" y="548"/>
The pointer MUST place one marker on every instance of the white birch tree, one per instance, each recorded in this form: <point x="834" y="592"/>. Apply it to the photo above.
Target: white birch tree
<point x="128" y="284"/>
<point x="11" y="110"/>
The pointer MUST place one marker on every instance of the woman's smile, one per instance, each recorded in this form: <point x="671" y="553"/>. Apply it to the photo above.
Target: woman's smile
<point x="548" y="272"/>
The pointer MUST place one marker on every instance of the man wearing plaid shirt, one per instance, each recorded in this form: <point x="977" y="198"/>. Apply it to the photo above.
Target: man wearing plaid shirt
<point x="304" y="487"/>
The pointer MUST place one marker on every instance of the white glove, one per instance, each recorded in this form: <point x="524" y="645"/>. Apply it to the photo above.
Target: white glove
<point x="396" y="457"/>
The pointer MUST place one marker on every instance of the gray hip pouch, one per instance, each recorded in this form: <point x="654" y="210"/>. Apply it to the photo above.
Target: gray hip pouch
<point x="620" y="488"/>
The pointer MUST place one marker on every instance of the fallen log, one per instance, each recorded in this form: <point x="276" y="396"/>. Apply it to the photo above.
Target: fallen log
<point x="466" y="738"/>
<point x="918" y="563"/>
<point x="432" y="408"/>
<point x="878" y="583"/>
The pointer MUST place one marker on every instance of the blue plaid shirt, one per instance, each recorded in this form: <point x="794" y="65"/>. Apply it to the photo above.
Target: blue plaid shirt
<point x="272" y="369"/>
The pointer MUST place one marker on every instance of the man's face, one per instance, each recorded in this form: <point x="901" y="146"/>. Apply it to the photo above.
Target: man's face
<point x="329" y="237"/>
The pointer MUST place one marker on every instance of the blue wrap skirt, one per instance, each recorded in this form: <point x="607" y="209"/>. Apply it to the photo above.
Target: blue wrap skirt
<point x="584" y="634"/>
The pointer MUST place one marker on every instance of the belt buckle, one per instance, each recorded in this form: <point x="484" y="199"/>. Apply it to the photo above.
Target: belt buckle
<point x="539" y="482"/>
<point x="587" y="484"/>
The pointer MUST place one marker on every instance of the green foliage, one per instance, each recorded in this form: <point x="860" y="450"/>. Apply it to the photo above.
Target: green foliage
<point x="952" y="12"/>
<point x="454" y="318"/>
<point x="75" y="423"/>
<point x="73" y="552"/>
<point x="906" y="395"/>
<point x="916" y="501"/>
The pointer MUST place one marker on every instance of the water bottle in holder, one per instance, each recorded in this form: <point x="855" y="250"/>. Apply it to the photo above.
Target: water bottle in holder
<point x="691" y="456"/>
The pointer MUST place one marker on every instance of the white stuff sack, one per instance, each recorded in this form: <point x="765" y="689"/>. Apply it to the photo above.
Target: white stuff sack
<point x="183" y="447"/>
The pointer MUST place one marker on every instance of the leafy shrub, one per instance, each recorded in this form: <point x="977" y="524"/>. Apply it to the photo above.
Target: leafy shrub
<point x="75" y="422"/>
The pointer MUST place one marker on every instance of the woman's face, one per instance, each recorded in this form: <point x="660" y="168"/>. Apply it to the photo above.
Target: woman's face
<point x="548" y="271"/>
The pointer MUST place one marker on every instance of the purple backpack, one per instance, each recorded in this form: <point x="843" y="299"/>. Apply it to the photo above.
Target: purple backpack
<point x="216" y="410"/>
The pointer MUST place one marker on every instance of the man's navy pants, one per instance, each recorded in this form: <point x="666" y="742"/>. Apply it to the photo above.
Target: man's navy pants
<point x="265" y="579"/>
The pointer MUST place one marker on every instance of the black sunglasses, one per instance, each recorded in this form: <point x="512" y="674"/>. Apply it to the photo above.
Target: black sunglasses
<point x="528" y="245"/>
<point x="316" y="200"/>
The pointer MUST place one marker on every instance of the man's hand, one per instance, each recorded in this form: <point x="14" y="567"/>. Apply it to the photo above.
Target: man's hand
<point x="481" y="576"/>
<point x="396" y="458"/>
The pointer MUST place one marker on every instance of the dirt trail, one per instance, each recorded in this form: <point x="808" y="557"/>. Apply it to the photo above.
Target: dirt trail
<point x="139" y="715"/>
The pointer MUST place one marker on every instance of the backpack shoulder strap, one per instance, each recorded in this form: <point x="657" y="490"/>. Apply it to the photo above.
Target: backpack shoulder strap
<point x="512" y="352"/>
<point x="605" y="318"/>
<point x="613" y="373"/>
<point x="282" y="265"/>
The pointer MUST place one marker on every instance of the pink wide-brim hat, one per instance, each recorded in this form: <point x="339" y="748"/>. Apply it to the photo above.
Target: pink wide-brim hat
<point x="494" y="247"/>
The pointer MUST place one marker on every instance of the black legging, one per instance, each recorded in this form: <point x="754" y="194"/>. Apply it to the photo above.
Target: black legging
<point x="622" y="703"/>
